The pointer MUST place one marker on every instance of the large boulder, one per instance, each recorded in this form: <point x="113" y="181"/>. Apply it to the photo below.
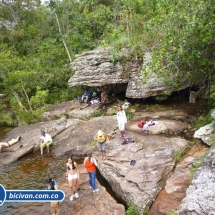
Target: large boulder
<point x="155" y="160"/>
<point x="94" y="68"/>
<point x="200" y="196"/>
<point x="31" y="137"/>
<point x="162" y="126"/>
<point x="119" y="73"/>
<point x="205" y="134"/>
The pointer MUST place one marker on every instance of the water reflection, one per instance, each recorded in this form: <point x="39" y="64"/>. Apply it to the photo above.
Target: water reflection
<point x="29" y="173"/>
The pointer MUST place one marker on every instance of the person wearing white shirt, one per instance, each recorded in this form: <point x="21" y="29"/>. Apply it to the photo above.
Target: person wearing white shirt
<point x="45" y="141"/>
<point x="122" y="120"/>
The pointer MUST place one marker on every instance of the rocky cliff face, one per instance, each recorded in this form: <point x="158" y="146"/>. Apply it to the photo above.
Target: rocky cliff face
<point x="105" y="69"/>
<point x="200" y="196"/>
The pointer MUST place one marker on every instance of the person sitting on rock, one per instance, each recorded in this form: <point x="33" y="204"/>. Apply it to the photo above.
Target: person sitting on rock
<point x="92" y="102"/>
<point x="10" y="143"/>
<point x="104" y="96"/>
<point x="94" y="95"/>
<point x="86" y="96"/>
<point x="45" y="141"/>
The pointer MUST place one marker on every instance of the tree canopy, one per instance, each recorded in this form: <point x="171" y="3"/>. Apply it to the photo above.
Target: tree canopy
<point x="39" y="41"/>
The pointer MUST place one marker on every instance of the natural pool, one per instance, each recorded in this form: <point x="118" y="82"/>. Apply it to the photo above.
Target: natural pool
<point x="30" y="171"/>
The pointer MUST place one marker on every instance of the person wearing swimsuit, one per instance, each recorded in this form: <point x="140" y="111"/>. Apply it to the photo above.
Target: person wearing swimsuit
<point x="72" y="172"/>
<point x="53" y="185"/>
<point x="10" y="143"/>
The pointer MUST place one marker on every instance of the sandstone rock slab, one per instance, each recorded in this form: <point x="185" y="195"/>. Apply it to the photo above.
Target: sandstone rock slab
<point x="200" y="196"/>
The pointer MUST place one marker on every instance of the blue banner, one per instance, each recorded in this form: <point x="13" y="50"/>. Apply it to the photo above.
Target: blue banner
<point x="30" y="195"/>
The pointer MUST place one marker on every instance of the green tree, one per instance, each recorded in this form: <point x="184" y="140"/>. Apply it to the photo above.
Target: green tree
<point x="185" y="30"/>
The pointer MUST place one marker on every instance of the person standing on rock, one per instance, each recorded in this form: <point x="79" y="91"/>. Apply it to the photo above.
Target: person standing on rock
<point x="10" y="143"/>
<point x="72" y="172"/>
<point x="45" y="141"/>
<point x="53" y="185"/>
<point x="90" y="165"/>
<point x="122" y="120"/>
<point x="101" y="138"/>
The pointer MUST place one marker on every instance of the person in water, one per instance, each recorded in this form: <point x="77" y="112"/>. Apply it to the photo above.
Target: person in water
<point x="10" y="143"/>
<point x="53" y="185"/>
<point x="72" y="172"/>
<point x="90" y="165"/>
<point x="45" y="141"/>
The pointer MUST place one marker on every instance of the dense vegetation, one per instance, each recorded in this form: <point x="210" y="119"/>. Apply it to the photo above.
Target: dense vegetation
<point x="39" y="41"/>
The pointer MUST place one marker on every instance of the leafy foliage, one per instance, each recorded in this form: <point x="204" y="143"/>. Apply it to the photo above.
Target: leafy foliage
<point x="129" y="114"/>
<point x="132" y="210"/>
<point x="197" y="163"/>
<point x="38" y="43"/>
<point x="173" y="212"/>
<point x="186" y="41"/>
<point x="202" y="121"/>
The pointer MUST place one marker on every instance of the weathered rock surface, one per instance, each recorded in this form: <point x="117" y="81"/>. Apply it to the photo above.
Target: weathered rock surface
<point x="163" y="126"/>
<point x="175" y="189"/>
<point x="200" y="196"/>
<point x="139" y="184"/>
<point x="167" y="114"/>
<point x="96" y="68"/>
<point x="88" y="203"/>
<point x="31" y="136"/>
<point x="155" y="160"/>
<point x="69" y="109"/>
<point x="205" y="134"/>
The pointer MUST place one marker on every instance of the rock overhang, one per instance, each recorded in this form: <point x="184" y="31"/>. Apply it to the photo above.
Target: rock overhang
<point x="97" y="68"/>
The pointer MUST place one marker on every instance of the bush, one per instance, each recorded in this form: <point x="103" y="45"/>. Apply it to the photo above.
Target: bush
<point x="30" y="116"/>
<point x="112" y="111"/>
<point x="132" y="210"/>
<point x="6" y="119"/>
<point x="97" y="114"/>
<point x="202" y="121"/>
<point x="129" y="114"/>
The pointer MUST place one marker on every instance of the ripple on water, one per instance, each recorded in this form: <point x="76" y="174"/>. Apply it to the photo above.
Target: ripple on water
<point x="30" y="173"/>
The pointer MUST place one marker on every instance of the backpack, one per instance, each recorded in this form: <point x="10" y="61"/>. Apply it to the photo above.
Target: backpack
<point x="141" y="123"/>
<point x="127" y="140"/>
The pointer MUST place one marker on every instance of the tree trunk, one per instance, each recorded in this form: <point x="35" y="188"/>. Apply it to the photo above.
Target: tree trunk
<point x="62" y="36"/>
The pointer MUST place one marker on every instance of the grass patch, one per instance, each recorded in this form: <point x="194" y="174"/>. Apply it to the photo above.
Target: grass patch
<point x="196" y="164"/>
<point x="202" y="121"/>
<point x="116" y="128"/>
<point x="129" y="114"/>
<point x="93" y="143"/>
<point x="182" y="152"/>
<point x="132" y="210"/>
<point x="112" y="111"/>
<point x="173" y="212"/>
<point x="146" y="211"/>
<point x="97" y="114"/>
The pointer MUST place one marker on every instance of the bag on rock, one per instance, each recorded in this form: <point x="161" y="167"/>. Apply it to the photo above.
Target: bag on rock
<point x="141" y="123"/>
<point x="127" y="140"/>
